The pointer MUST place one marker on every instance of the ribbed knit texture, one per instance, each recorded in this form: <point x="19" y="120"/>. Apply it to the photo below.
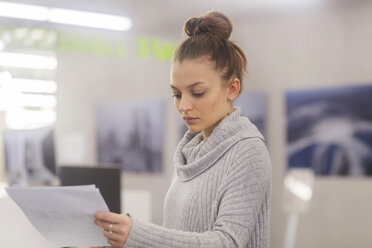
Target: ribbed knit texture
<point x="220" y="194"/>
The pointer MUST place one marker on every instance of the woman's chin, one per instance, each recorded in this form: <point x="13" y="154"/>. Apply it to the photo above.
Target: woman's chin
<point x="193" y="129"/>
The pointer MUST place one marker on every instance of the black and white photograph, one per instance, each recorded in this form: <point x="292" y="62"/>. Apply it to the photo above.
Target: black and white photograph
<point x="130" y="135"/>
<point x="30" y="156"/>
<point x="330" y="130"/>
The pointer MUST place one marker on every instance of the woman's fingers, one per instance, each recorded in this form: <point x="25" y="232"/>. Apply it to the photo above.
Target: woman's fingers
<point x="108" y="217"/>
<point x="116" y="227"/>
<point x="103" y="224"/>
<point x="112" y="236"/>
<point x="115" y="243"/>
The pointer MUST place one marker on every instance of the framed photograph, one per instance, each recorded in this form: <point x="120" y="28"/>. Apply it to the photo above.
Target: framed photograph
<point x="330" y="130"/>
<point x="130" y="135"/>
<point x="30" y="156"/>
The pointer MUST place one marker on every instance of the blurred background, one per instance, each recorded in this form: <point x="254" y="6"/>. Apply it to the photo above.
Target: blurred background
<point x="77" y="92"/>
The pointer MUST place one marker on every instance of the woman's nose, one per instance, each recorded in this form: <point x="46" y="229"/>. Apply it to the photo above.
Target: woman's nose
<point x="185" y="104"/>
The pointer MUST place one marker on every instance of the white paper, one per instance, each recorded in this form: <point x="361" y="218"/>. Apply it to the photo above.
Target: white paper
<point x="63" y="215"/>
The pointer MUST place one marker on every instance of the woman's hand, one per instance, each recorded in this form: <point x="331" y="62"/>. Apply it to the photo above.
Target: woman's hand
<point x="116" y="227"/>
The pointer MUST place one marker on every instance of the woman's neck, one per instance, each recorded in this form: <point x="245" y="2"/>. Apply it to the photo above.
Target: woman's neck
<point x="207" y="132"/>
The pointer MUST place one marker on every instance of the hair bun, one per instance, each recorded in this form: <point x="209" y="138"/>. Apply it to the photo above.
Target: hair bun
<point x="214" y="23"/>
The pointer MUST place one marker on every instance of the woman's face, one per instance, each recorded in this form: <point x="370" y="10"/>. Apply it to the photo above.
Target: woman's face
<point x="200" y="95"/>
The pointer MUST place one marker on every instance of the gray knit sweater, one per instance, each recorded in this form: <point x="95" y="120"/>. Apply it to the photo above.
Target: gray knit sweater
<point x="220" y="194"/>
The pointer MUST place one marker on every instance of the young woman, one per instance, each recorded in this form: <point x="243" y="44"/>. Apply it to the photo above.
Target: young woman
<point x="220" y="194"/>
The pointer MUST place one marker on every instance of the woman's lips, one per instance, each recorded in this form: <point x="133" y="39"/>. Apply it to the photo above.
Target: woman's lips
<point x="190" y="120"/>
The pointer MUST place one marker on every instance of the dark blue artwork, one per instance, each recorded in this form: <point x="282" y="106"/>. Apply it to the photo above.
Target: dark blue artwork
<point x="130" y="135"/>
<point x="330" y="130"/>
<point x="252" y="105"/>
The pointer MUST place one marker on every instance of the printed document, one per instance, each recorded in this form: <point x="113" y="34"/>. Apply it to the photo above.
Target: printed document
<point x="63" y="215"/>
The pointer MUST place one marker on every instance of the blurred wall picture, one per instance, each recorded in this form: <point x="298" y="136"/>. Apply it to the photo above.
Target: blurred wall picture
<point x="330" y="130"/>
<point x="252" y="105"/>
<point x="130" y="135"/>
<point x="29" y="156"/>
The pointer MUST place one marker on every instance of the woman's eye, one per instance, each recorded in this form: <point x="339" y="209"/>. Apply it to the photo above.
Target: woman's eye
<point x="198" y="94"/>
<point x="178" y="96"/>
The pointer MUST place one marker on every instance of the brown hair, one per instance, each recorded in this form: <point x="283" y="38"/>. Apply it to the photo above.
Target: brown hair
<point x="209" y="36"/>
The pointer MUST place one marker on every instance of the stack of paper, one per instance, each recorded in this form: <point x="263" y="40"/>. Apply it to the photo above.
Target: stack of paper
<point x="63" y="215"/>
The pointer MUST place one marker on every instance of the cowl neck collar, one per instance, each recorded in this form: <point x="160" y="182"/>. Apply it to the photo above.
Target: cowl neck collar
<point x="194" y="155"/>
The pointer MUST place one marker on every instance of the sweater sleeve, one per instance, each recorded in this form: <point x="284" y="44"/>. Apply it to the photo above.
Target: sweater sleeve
<point x="243" y="208"/>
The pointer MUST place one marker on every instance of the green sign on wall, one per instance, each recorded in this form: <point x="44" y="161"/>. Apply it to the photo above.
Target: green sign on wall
<point x="44" y="39"/>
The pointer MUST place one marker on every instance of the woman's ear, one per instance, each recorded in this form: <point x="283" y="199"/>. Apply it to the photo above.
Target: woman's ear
<point x="234" y="89"/>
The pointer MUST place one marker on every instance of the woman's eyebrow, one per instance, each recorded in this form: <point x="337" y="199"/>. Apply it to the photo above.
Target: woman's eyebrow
<point x="190" y="86"/>
<point x="173" y="87"/>
<point x="194" y="84"/>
